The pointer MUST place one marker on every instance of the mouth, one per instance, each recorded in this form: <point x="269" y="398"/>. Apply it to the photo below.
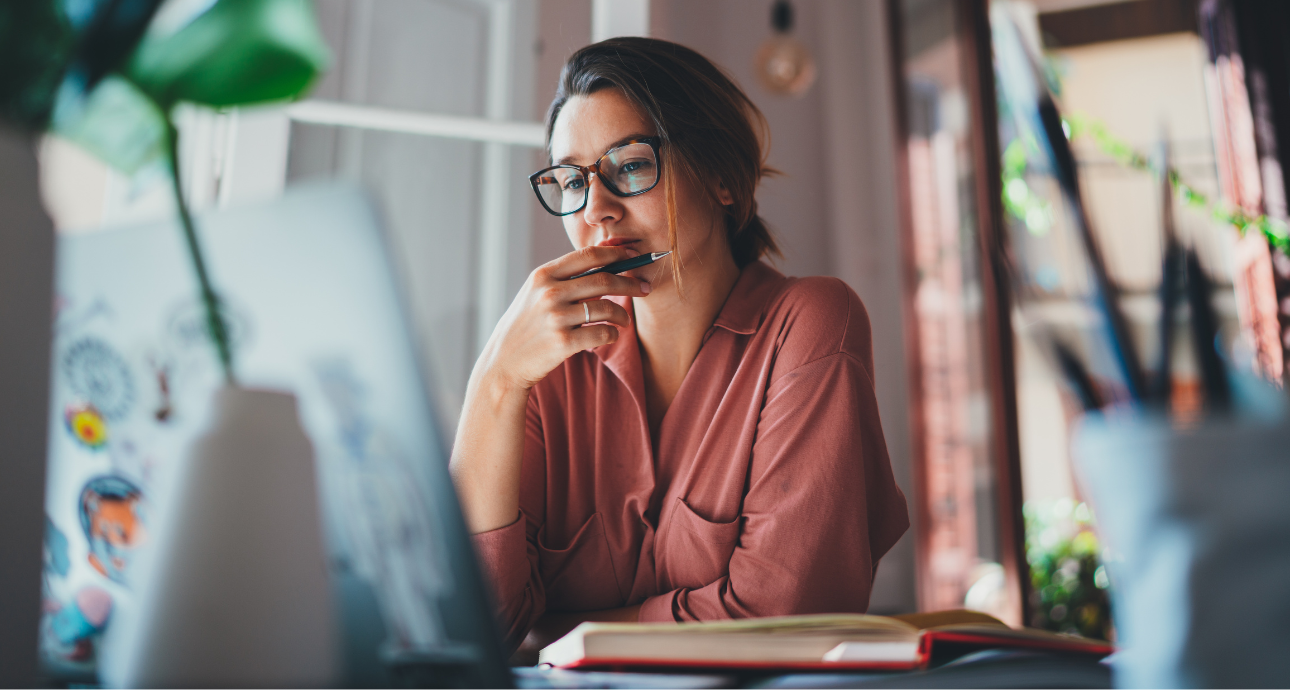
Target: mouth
<point x="619" y="242"/>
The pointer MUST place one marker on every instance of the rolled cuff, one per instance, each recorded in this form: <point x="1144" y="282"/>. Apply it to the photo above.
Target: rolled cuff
<point x="658" y="609"/>
<point x="502" y="557"/>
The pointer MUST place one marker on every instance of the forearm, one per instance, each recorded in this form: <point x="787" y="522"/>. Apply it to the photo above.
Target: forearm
<point x="487" y="455"/>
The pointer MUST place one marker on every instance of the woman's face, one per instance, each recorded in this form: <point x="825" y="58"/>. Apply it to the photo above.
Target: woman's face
<point x="586" y="128"/>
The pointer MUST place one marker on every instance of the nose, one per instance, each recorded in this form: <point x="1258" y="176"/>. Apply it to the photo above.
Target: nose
<point x="602" y="206"/>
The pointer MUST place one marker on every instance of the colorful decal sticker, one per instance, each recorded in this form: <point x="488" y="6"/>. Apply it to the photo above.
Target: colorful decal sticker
<point x="99" y="374"/>
<point x="165" y="406"/>
<point x="86" y="425"/>
<point x="70" y="629"/>
<point x="111" y="510"/>
<point x="71" y="626"/>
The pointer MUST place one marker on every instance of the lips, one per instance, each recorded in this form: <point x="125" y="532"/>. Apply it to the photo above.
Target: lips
<point x="617" y="242"/>
<point x="631" y="245"/>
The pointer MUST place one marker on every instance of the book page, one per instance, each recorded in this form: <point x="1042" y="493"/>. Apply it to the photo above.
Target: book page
<point x="828" y="622"/>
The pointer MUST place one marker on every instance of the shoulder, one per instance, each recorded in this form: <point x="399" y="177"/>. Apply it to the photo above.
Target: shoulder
<point x="818" y="316"/>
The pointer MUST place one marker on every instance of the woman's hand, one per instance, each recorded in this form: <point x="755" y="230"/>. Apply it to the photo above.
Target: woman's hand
<point x="544" y="326"/>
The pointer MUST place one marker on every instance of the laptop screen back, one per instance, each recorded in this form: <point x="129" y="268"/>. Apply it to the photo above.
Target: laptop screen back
<point x="312" y="306"/>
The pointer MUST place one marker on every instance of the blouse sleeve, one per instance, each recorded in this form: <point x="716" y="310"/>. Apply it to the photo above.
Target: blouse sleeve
<point x="822" y="505"/>
<point x="508" y="555"/>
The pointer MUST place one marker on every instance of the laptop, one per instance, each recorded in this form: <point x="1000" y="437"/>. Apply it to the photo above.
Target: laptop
<point x="313" y="308"/>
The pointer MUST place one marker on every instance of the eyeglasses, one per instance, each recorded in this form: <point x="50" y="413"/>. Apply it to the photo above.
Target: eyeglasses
<point x="627" y="170"/>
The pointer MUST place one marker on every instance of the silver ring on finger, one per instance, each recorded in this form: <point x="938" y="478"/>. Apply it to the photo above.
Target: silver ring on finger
<point x="586" y="313"/>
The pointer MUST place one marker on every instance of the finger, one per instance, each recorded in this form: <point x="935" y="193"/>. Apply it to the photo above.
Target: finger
<point x="587" y="258"/>
<point x="597" y="310"/>
<point x="603" y="285"/>
<point x="589" y="337"/>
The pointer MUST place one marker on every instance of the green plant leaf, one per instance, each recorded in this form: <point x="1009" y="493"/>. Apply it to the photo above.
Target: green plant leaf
<point x="237" y="53"/>
<point x="35" y="45"/>
<point x="116" y="123"/>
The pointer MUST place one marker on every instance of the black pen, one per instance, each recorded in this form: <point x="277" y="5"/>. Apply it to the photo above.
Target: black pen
<point x="1171" y="283"/>
<point x="1080" y="381"/>
<point x="625" y="264"/>
<point x="1204" y="331"/>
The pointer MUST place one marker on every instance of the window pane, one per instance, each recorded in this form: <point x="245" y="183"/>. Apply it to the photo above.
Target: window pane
<point x="958" y="507"/>
<point x="442" y="199"/>
<point x="423" y="55"/>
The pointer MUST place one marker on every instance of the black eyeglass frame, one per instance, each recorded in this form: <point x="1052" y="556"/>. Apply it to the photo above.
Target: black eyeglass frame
<point x="655" y="143"/>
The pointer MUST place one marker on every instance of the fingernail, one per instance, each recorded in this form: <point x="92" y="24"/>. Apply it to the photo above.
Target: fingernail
<point x="632" y="252"/>
<point x="645" y="287"/>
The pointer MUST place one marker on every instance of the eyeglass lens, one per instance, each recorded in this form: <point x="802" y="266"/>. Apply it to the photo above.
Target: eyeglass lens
<point x="625" y="170"/>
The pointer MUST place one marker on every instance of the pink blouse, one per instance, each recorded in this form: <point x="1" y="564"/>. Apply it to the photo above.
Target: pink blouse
<point x="770" y="492"/>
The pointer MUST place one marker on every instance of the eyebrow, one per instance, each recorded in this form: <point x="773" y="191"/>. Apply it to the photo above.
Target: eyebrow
<point x="621" y="142"/>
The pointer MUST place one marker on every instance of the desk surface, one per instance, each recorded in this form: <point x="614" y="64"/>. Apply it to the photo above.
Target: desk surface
<point x="988" y="669"/>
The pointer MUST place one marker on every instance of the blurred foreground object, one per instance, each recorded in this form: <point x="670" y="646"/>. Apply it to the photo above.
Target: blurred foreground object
<point x="264" y="615"/>
<point x="1198" y="529"/>
<point x="39" y="48"/>
<point x="221" y="54"/>
<point x="314" y="309"/>
<point x="783" y="65"/>
<point x="26" y="296"/>
<point x="238" y="597"/>
<point x="35" y="44"/>
<point x="237" y="53"/>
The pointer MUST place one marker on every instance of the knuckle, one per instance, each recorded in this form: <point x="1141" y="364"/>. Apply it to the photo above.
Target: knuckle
<point x="542" y="274"/>
<point x="549" y="294"/>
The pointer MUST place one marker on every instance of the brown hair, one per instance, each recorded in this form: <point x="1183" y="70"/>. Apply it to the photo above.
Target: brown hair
<point x="709" y="128"/>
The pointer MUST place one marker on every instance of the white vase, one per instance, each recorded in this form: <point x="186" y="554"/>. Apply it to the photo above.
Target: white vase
<point x="1196" y="523"/>
<point x="235" y="590"/>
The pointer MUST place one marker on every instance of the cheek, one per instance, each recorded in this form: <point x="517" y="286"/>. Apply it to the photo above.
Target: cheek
<point x="579" y="233"/>
<point x="649" y="213"/>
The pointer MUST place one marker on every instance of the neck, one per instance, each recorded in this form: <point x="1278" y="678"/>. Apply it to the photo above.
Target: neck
<point x="666" y="319"/>
<point x="670" y="328"/>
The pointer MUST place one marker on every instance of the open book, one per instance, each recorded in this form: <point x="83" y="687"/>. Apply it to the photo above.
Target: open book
<point x="823" y="642"/>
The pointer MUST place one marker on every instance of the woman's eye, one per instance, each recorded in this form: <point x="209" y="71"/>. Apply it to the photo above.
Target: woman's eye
<point x="573" y="183"/>
<point x="634" y="166"/>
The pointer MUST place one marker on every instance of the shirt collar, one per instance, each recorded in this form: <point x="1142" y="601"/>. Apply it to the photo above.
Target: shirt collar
<point x="746" y="306"/>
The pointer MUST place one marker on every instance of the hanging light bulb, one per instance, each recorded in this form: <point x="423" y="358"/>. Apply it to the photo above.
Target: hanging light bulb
<point x="783" y="64"/>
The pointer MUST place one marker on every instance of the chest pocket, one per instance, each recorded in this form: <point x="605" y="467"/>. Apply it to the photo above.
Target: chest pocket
<point x="579" y="575"/>
<point x="697" y="551"/>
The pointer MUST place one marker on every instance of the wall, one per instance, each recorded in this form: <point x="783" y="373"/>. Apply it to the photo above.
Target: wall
<point x="563" y="27"/>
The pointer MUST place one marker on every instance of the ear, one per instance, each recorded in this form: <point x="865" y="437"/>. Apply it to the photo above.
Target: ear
<point x="724" y="197"/>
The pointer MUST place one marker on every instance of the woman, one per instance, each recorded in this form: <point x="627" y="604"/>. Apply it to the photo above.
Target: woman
<point x="697" y="439"/>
